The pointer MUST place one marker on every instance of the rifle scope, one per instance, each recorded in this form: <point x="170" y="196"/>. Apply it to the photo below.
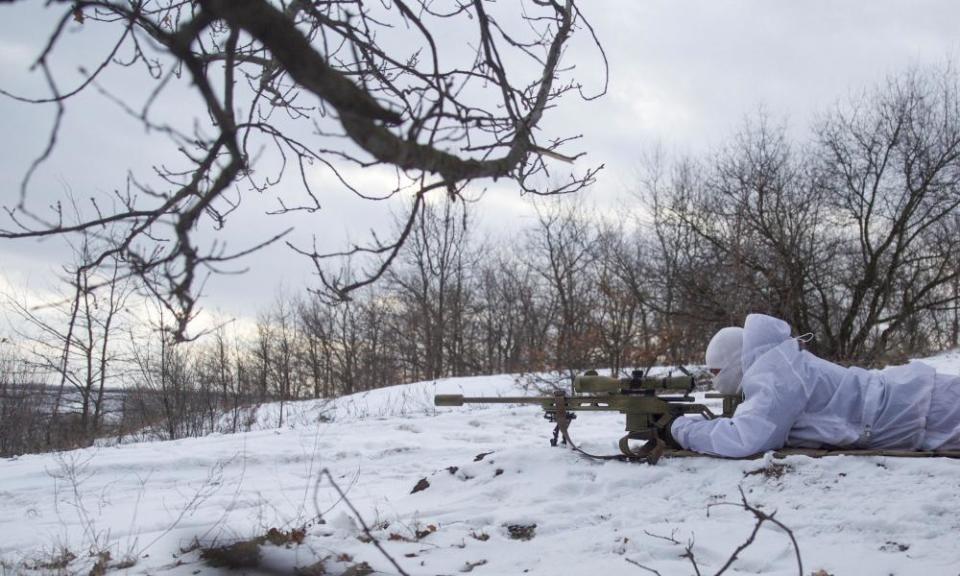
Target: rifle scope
<point x="593" y="384"/>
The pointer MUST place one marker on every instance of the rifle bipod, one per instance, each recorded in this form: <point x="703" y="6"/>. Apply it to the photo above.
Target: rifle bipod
<point x="556" y="429"/>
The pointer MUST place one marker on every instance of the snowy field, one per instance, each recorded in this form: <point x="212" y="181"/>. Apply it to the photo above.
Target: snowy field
<point x="494" y="498"/>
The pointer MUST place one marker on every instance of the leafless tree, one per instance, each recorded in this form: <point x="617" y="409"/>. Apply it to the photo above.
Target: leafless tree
<point x="513" y="316"/>
<point x="891" y="164"/>
<point x="673" y="266"/>
<point x="219" y="365"/>
<point x="380" y="360"/>
<point x="165" y="385"/>
<point x="432" y="283"/>
<point x="282" y="362"/>
<point x="262" y="356"/>
<point x="315" y="319"/>
<point x="77" y="339"/>
<point x="618" y="313"/>
<point x="747" y="224"/>
<point x="25" y="417"/>
<point x="283" y="88"/>
<point x="348" y="341"/>
<point x="562" y="248"/>
<point x="853" y="237"/>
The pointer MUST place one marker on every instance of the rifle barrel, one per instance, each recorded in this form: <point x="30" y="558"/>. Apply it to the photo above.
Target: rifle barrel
<point x="460" y="400"/>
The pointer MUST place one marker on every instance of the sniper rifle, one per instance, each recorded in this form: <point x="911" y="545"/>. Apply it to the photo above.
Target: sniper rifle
<point x="649" y="403"/>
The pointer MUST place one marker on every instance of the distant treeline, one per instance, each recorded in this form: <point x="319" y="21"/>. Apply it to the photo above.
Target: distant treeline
<point x="852" y="234"/>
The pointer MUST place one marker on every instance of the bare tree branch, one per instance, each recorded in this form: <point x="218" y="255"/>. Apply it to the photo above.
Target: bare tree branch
<point x="316" y="85"/>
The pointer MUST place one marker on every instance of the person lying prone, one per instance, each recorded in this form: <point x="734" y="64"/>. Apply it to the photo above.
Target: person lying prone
<point x="793" y="398"/>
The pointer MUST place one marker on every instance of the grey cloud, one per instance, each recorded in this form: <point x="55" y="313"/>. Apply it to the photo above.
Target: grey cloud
<point x="682" y="73"/>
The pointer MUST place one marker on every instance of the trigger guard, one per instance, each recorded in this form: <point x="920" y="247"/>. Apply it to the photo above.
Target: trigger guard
<point x="651" y="451"/>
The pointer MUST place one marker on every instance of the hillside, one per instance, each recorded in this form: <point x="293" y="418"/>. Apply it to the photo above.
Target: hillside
<point x="494" y="498"/>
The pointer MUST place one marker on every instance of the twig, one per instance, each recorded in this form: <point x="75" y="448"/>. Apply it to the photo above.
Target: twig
<point x="761" y="517"/>
<point x="363" y="524"/>
<point x="639" y="565"/>
<point x="688" y="548"/>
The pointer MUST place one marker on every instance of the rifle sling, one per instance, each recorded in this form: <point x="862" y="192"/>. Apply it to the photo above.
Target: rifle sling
<point x="649" y="452"/>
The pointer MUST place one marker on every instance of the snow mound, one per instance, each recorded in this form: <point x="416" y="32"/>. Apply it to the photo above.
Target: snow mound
<point x="947" y="362"/>
<point x="389" y="402"/>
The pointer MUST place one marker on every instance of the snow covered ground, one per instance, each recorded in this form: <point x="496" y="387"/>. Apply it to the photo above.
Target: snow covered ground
<point x="494" y="498"/>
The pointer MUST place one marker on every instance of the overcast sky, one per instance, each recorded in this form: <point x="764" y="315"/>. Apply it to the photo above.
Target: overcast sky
<point x="683" y="74"/>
